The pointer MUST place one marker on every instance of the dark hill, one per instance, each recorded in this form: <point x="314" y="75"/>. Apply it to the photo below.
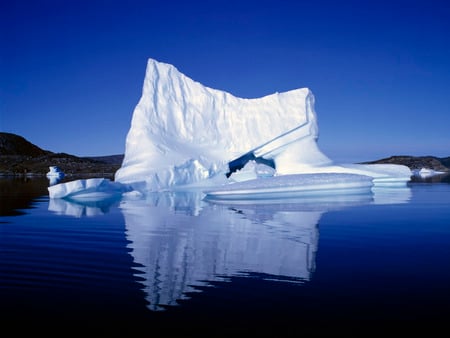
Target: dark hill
<point x="111" y="159"/>
<point x="12" y="144"/>
<point x="20" y="157"/>
<point x="417" y="162"/>
<point x="445" y="161"/>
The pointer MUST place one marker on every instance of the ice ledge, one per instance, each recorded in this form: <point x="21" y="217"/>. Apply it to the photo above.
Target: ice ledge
<point x="92" y="189"/>
<point x="337" y="180"/>
<point x="288" y="186"/>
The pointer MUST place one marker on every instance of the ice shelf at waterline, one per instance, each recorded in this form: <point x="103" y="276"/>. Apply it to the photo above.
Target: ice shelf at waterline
<point x="92" y="189"/>
<point x="306" y="185"/>
<point x="185" y="135"/>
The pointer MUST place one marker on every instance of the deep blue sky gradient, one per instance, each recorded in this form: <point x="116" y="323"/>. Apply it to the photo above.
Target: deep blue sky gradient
<point x="71" y="72"/>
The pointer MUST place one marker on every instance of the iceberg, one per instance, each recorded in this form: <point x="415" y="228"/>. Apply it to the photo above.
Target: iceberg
<point x="55" y="171"/>
<point x="184" y="135"/>
<point x="426" y="172"/>
<point x="54" y="174"/>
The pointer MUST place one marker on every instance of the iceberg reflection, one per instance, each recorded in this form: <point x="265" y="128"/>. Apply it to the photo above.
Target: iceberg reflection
<point x="81" y="208"/>
<point x="391" y="195"/>
<point x="181" y="241"/>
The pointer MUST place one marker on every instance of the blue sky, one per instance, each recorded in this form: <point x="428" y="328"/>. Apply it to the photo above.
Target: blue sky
<point x="71" y="72"/>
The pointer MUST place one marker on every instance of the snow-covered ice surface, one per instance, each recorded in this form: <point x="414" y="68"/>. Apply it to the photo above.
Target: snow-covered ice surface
<point x="184" y="135"/>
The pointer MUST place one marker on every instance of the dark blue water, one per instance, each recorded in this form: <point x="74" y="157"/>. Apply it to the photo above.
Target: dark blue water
<point x="177" y="264"/>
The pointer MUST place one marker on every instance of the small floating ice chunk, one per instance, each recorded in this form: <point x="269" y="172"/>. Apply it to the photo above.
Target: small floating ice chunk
<point x="426" y="172"/>
<point x="55" y="174"/>
<point x="55" y="171"/>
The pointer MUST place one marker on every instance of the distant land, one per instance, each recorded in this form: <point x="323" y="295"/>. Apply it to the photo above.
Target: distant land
<point x="20" y="157"/>
<point x="418" y="162"/>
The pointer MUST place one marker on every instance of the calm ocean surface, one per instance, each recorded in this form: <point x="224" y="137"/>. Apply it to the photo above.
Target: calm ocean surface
<point x="177" y="264"/>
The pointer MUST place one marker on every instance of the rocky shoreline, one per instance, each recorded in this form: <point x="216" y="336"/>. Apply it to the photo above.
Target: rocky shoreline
<point x="19" y="165"/>
<point x="106" y="166"/>
<point x="19" y="157"/>
<point x="417" y="162"/>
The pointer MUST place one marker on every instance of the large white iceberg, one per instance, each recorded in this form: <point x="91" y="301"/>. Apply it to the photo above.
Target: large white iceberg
<point x="184" y="134"/>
